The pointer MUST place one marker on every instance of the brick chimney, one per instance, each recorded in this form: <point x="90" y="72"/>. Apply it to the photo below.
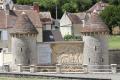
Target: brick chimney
<point x="36" y="7"/>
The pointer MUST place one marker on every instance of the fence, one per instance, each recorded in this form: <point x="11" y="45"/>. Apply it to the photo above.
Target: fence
<point x="66" y="68"/>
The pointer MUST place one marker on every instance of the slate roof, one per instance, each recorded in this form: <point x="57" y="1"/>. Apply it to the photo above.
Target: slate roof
<point x="94" y="24"/>
<point x="74" y="18"/>
<point x="8" y="21"/>
<point x="45" y="17"/>
<point x="23" y="25"/>
<point x="50" y="36"/>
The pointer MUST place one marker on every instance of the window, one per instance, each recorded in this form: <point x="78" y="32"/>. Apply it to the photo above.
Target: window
<point x="4" y="35"/>
<point x="51" y="37"/>
<point x="0" y="50"/>
<point x="95" y="48"/>
<point x="0" y="35"/>
<point x="89" y="60"/>
<point x="56" y="27"/>
<point x="21" y="49"/>
<point x="28" y="61"/>
<point x="102" y="60"/>
<point x="15" y="61"/>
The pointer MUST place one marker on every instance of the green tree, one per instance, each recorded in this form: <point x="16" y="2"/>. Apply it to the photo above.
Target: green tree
<point x="111" y="16"/>
<point x="24" y="2"/>
<point x="114" y="2"/>
<point x="76" y="5"/>
<point x="63" y="5"/>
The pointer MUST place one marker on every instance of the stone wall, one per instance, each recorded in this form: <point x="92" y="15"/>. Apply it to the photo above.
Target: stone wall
<point x="24" y="49"/>
<point x="67" y="52"/>
<point x="95" y="50"/>
<point x="39" y="35"/>
<point x="44" y="53"/>
<point x="63" y="52"/>
<point x="76" y="29"/>
<point x="114" y="56"/>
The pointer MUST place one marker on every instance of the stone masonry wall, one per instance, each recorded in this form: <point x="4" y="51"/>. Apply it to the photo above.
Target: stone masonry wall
<point x="114" y="56"/>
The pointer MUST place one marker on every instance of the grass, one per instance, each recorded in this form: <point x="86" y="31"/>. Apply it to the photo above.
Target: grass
<point x="29" y="78"/>
<point x="114" y="42"/>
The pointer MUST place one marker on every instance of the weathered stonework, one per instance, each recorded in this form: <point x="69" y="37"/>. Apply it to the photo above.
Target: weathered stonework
<point x="114" y="56"/>
<point x="67" y="52"/>
<point x="95" y="50"/>
<point x="24" y="50"/>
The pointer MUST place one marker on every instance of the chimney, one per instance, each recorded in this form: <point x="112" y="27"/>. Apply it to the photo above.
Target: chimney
<point x="7" y="9"/>
<point x="36" y="7"/>
<point x="83" y="22"/>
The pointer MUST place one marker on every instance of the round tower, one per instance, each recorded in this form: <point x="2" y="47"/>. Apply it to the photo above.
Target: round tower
<point x="95" y="40"/>
<point x="23" y="43"/>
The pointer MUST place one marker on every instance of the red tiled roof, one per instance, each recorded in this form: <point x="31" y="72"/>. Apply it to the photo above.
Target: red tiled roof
<point x="98" y="6"/>
<point x="23" y="25"/>
<point x="23" y="7"/>
<point x="81" y="15"/>
<point x="2" y="19"/>
<point x="45" y="17"/>
<point x="12" y="17"/>
<point x="74" y="18"/>
<point x="94" y="24"/>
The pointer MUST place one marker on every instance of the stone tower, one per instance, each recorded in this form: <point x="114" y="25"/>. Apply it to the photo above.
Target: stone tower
<point x="24" y="41"/>
<point x="95" y="40"/>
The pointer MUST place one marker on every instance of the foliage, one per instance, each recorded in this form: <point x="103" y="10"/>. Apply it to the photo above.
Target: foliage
<point x="111" y="16"/>
<point x="24" y="2"/>
<point x="76" y="5"/>
<point x="28" y="78"/>
<point x="114" y="2"/>
<point x="72" y="37"/>
<point x="63" y="5"/>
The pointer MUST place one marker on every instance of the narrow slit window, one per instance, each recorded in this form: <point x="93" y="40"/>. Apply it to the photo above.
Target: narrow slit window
<point x="89" y="60"/>
<point x="95" y="48"/>
<point x="102" y="60"/>
<point x="28" y="61"/>
<point x="21" y="49"/>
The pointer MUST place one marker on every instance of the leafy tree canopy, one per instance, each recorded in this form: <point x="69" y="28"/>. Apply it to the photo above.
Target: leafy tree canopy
<point x="111" y="16"/>
<point x="62" y="5"/>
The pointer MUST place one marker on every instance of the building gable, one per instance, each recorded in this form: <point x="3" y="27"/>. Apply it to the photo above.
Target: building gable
<point x="65" y="21"/>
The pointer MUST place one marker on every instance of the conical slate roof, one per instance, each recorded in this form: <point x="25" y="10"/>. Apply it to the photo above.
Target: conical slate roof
<point x="23" y="25"/>
<point x="94" y="24"/>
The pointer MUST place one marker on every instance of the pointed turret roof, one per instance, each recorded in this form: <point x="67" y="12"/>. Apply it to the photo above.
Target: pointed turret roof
<point x="94" y="24"/>
<point x="23" y="25"/>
